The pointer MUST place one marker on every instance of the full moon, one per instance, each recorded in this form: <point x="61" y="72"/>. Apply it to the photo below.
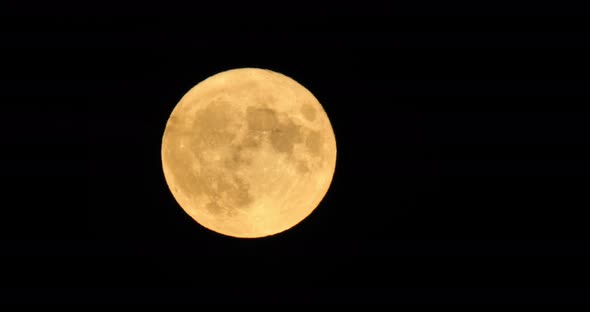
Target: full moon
<point x="248" y="153"/>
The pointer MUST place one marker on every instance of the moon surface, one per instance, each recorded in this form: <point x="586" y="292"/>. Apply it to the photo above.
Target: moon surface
<point x="248" y="153"/>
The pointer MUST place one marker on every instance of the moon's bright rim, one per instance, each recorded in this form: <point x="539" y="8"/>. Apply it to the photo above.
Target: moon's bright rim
<point x="248" y="152"/>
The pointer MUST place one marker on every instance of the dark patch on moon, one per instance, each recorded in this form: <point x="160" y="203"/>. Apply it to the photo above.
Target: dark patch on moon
<point x="261" y="119"/>
<point x="302" y="167"/>
<point x="308" y="111"/>
<point x="314" y="143"/>
<point x="240" y="153"/>
<point x="213" y="207"/>
<point x="252" y="141"/>
<point x="237" y="158"/>
<point x="285" y="137"/>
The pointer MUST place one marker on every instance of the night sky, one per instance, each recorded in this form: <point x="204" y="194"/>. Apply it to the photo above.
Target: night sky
<point x="461" y="175"/>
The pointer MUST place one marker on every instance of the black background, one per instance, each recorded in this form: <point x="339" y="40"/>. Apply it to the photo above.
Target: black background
<point x="462" y="169"/>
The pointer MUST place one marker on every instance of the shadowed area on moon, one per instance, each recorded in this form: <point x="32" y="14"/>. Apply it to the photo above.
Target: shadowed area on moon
<point x="308" y="111"/>
<point x="232" y="136"/>
<point x="283" y="135"/>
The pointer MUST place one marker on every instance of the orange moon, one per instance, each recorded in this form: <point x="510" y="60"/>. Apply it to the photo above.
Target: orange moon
<point x="248" y="153"/>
